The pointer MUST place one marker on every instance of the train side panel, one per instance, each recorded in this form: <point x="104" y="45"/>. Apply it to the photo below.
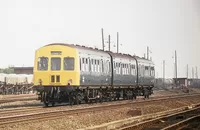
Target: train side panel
<point x="125" y="73"/>
<point x="95" y="68"/>
<point x="146" y="72"/>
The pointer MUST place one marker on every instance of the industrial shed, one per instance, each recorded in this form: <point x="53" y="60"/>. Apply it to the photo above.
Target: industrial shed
<point x="23" y="70"/>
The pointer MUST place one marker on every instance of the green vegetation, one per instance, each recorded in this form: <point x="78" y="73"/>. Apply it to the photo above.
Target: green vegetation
<point x="8" y="70"/>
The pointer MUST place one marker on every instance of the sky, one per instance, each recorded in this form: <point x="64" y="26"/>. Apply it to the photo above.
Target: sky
<point x="163" y="25"/>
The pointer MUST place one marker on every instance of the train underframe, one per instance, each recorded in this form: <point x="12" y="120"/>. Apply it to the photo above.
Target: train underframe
<point x="76" y="95"/>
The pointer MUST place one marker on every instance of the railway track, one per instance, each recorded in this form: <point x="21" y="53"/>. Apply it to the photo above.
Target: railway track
<point x="173" y="121"/>
<point x="18" y="111"/>
<point x="18" y="98"/>
<point x="49" y="114"/>
<point x="189" y="123"/>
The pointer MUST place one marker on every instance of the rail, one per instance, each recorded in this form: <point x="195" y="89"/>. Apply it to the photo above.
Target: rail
<point x="55" y="114"/>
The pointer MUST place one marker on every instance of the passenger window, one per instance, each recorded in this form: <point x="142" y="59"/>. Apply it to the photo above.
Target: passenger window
<point x="102" y="63"/>
<point x="55" y="63"/>
<point x="83" y="60"/>
<point x="152" y="71"/>
<point x="43" y="63"/>
<point x="86" y="60"/>
<point x="68" y="63"/>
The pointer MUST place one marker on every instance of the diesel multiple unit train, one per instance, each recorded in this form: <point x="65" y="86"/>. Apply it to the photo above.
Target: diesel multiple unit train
<point x="76" y="74"/>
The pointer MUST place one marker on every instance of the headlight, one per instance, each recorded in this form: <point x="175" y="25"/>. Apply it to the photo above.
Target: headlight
<point x="40" y="81"/>
<point x="69" y="82"/>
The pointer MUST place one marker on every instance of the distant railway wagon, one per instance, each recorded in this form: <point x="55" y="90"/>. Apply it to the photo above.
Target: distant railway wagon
<point x="73" y="73"/>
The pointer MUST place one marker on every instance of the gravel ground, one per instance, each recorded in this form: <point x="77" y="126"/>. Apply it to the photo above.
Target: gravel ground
<point x="23" y="104"/>
<point x="91" y="119"/>
<point x="17" y="96"/>
<point x="19" y="104"/>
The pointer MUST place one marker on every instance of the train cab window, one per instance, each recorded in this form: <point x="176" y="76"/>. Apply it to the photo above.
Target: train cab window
<point x="42" y="63"/>
<point x="68" y="63"/>
<point x="55" y="63"/>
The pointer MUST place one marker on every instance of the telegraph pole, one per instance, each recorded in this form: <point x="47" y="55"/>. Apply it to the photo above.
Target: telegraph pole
<point x="109" y="42"/>
<point x="102" y="39"/>
<point x="187" y="71"/>
<point x="147" y="52"/>
<point x="196" y="72"/>
<point x="192" y="73"/>
<point x="117" y="42"/>
<point x="176" y="67"/>
<point x="163" y="73"/>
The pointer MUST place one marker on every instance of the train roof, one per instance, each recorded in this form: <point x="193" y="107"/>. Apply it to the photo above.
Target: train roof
<point x="120" y="55"/>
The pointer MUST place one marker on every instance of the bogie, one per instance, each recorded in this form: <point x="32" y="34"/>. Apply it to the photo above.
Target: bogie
<point x="90" y="95"/>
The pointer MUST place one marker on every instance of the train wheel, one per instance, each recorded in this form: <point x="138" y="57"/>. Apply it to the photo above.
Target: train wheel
<point x="133" y="96"/>
<point x="71" y="99"/>
<point x="46" y="104"/>
<point x="46" y="100"/>
<point x="53" y="104"/>
<point x="86" y="99"/>
<point x="79" y="98"/>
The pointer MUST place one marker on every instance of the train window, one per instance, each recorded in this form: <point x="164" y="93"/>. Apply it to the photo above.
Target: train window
<point x="55" y="63"/>
<point x="139" y="70"/>
<point x="143" y="70"/>
<point x="100" y="69"/>
<point x="89" y="64"/>
<point x="132" y="70"/>
<point x="86" y="60"/>
<point x="152" y="71"/>
<point x="97" y="65"/>
<point x="83" y="60"/>
<point x="80" y="63"/>
<point x="109" y="66"/>
<point x="68" y="63"/>
<point x="43" y="63"/>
